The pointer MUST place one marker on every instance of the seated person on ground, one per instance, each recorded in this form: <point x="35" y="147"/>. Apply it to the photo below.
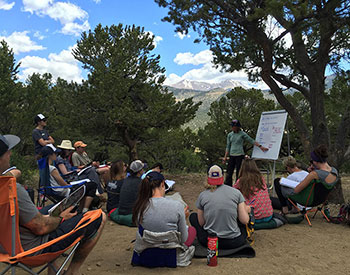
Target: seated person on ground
<point x="118" y="174"/>
<point x="128" y="195"/>
<point x="36" y="229"/>
<point x="40" y="135"/>
<point x="50" y="152"/>
<point x="221" y="211"/>
<point x="253" y="187"/>
<point x="155" y="213"/>
<point x="296" y="174"/>
<point x="323" y="171"/>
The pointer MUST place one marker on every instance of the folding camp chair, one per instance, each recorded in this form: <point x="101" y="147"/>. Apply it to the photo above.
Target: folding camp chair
<point x="314" y="196"/>
<point x="45" y="190"/>
<point x="15" y="256"/>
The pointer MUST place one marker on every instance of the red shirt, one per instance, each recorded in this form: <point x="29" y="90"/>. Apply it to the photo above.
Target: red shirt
<point x="260" y="201"/>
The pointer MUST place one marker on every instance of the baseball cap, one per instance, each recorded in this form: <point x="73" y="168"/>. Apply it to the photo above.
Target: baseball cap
<point x="39" y="117"/>
<point x="79" y="144"/>
<point x="215" y="176"/>
<point x="136" y="166"/>
<point x="7" y="142"/>
<point x="235" y="123"/>
<point x="49" y="149"/>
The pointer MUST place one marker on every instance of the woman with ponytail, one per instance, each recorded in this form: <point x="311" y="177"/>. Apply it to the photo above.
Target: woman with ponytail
<point x="155" y="213"/>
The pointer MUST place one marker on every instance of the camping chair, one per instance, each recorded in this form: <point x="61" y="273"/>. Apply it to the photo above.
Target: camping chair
<point x="315" y="195"/>
<point x="45" y="190"/>
<point x="15" y="256"/>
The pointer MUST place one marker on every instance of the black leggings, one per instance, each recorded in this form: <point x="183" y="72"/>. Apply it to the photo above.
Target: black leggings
<point x="234" y="162"/>
<point x="202" y="235"/>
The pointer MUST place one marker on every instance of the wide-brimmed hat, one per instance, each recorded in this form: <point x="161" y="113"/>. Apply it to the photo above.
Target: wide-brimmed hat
<point x="215" y="176"/>
<point x="66" y="144"/>
<point x="7" y="142"/>
<point x="79" y="144"/>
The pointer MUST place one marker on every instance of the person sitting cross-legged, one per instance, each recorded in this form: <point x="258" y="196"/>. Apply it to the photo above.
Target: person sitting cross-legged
<point x="221" y="211"/>
<point x="36" y="229"/>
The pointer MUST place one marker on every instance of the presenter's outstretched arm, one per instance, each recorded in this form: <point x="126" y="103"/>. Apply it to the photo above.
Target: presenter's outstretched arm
<point x="264" y="149"/>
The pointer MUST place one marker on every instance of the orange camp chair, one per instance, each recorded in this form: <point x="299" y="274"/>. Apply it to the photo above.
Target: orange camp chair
<point x="315" y="195"/>
<point x="10" y="238"/>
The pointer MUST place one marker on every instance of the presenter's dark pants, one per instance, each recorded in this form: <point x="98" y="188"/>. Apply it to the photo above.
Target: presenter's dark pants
<point x="202" y="235"/>
<point x="233" y="162"/>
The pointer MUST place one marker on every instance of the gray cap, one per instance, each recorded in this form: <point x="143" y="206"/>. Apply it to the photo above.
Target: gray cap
<point x="7" y="142"/>
<point x="136" y="166"/>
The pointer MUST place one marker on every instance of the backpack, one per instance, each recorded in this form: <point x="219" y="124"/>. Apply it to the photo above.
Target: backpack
<point x="343" y="216"/>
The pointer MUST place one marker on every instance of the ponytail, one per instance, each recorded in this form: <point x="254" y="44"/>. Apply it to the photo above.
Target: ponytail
<point x="148" y="184"/>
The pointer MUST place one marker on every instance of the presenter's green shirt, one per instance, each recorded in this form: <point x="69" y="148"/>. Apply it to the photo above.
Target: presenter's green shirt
<point x="234" y="144"/>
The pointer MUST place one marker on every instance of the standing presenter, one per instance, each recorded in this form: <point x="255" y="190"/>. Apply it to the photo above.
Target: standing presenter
<point x="234" y="149"/>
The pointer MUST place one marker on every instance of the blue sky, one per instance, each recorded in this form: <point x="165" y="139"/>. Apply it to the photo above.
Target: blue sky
<point x="43" y="32"/>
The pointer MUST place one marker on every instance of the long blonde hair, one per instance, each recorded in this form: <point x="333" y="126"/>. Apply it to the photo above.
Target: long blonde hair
<point x="250" y="179"/>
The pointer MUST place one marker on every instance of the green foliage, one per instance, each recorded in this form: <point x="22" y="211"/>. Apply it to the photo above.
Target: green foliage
<point x="123" y="98"/>
<point x="241" y="104"/>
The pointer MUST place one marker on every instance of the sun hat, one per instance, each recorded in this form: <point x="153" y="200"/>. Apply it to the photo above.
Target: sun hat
<point x="215" y="176"/>
<point x="66" y="144"/>
<point x="136" y="166"/>
<point x="79" y="144"/>
<point x="7" y="142"/>
<point x="235" y="123"/>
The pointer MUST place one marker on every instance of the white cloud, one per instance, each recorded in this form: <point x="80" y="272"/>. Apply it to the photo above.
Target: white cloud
<point x="207" y="72"/>
<point x="75" y="29"/>
<point x="38" y="35"/>
<point x="59" y="65"/>
<point x="156" y="39"/>
<point x="97" y="1"/>
<point x="65" y="12"/>
<point x="20" y="42"/>
<point x="202" y="57"/>
<point x="36" y="5"/>
<point x="4" y="5"/>
<point x="274" y="29"/>
<point x="182" y="35"/>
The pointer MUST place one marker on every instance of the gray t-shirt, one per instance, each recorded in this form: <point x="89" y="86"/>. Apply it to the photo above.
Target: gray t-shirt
<point x="164" y="215"/>
<point x="220" y="209"/>
<point x="27" y="211"/>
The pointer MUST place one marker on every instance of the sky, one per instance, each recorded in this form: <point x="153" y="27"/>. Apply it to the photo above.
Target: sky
<point x="42" y="34"/>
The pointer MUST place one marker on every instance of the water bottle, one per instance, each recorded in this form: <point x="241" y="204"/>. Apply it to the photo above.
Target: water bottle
<point x="212" y="252"/>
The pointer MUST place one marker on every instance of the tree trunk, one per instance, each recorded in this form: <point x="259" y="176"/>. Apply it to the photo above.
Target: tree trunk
<point x="131" y="143"/>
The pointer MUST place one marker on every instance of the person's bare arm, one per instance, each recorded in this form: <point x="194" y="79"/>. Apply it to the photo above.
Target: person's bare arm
<point x="262" y="148"/>
<point x="200" y="215"/>
<point x="243" y="211"/>
<point x="44" y="224"/>
<point x="305" y="182"/>
<point x="58" y="178"/>
<point x="63" y="169"/>
<point x="51" y="140"/>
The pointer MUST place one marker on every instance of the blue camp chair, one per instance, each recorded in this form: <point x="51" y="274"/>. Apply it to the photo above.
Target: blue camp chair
<point x="45" y="190"/>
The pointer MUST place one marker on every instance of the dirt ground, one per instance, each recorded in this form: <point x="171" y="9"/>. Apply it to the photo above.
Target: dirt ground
<point x="290" y="249"/>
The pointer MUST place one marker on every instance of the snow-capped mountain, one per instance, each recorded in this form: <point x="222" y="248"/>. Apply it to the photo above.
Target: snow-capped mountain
<point x="204" y="86"/>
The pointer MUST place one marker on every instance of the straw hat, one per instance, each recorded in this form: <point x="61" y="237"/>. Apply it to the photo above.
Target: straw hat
<point x="66" y="144"/>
